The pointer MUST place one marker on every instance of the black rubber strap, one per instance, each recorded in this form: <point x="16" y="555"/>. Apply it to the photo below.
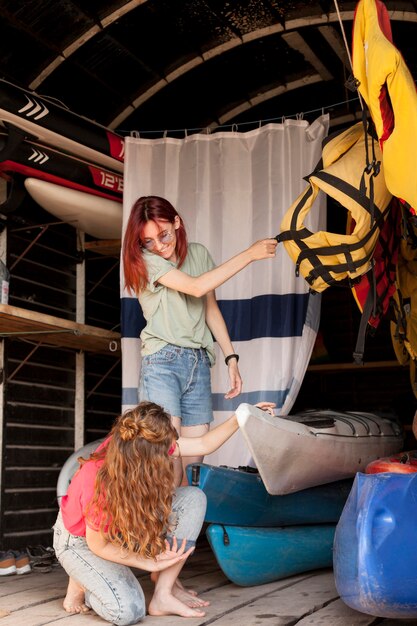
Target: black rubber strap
<point x="231" y="356"/>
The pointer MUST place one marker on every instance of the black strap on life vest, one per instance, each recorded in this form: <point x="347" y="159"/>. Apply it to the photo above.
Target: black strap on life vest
<point x="372" y="168"/>
<point x="368" y="310"/>
<point x="408" y="225"/>
<point x="319" y="269"/>
<point x="399" y="315"/>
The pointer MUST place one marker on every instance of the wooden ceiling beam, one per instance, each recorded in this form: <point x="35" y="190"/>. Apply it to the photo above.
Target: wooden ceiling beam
<point x="298" y="43"/>
<point x="336" y="42"/>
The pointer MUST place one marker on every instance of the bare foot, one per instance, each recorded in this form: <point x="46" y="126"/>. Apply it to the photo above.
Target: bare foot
<point x="74" y="600"/>
<point x="167" y="604"/>
<point x="186" y="595"/>
<point x="190" y="599"/>
<point x="179" y="585"/>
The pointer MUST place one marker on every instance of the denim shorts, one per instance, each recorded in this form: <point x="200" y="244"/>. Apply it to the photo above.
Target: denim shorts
<point x="179" y="380"/>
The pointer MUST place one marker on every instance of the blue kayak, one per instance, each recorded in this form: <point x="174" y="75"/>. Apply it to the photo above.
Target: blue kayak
<point x="375" y="546"/>
<point x="255" y="556"/>
<point x="237" y="496"/>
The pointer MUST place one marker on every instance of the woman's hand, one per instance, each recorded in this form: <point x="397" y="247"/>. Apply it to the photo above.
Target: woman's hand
<point x="235" y="380"/>
<point x="263" y="249"/>
<point x="111" y="552"/>
<point x="266" y="406"/>
<point x="172" y="555"/>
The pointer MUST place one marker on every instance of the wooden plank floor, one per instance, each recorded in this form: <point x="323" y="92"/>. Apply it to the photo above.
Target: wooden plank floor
<point x="309" y="599"/>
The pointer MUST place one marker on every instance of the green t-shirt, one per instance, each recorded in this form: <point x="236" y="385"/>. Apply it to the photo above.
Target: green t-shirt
<point x="171" y="316"/>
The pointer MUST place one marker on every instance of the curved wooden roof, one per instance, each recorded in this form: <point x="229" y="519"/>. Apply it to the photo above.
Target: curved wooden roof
<point x="155" y="65"/>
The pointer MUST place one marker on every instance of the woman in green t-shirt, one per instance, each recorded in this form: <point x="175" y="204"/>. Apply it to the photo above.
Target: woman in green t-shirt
<point x="175" y="282"/>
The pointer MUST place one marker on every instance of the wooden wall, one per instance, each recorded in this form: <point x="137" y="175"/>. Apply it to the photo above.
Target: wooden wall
<point x="40" y="387"/>
<point x="103" y="373"/>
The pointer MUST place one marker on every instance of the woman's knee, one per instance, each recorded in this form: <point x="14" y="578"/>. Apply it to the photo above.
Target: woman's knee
<point x="200" y="499"/>
<point x="123" y="609"/>
<point x="131" y="615"/>
<point x="127" y="618"/>
<point x="192" y="498"/>
<point x="189" y="510"/>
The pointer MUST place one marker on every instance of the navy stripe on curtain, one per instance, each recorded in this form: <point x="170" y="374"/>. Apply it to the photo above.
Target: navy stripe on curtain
<point x="131" y="318"/>
<point x="263" y="316"/>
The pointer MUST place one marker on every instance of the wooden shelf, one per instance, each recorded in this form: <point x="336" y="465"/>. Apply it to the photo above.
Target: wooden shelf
<point x="106" y="247"/>
<point x="335" y="367"/>
<point x="55" y="331"/>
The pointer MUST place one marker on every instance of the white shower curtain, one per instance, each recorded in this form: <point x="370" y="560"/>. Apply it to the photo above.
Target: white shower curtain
<point x="233" y="188"/>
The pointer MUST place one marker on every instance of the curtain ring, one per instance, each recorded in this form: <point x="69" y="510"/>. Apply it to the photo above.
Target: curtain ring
<point x="113" y="346"/>
<point x="234" y="128"/>
<point x="165" y="134"/>
<point x="135" y="133"/>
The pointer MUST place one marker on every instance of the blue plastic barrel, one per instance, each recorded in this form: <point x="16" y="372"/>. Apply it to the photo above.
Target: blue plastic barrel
<point x="375" y="546"/>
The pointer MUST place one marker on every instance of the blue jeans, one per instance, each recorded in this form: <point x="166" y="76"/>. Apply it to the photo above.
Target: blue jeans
<point x="179" y="380"/>
<point x="111" y="589"/>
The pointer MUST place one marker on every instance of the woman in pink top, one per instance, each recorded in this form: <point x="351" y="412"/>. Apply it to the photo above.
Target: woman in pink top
<point x="122" y="511"/>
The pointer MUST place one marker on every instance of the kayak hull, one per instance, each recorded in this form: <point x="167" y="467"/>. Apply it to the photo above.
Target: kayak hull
<point x="256" y="556"/>
<point x="314" y="447"/>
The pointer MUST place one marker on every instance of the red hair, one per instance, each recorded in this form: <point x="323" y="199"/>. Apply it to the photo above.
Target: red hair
<point x="133" y="492"/>
<point x="147" y="209"/>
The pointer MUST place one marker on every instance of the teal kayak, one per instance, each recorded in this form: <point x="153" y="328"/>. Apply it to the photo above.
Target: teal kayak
<point x="237" y="496"/>
<point x="256" y="556"/>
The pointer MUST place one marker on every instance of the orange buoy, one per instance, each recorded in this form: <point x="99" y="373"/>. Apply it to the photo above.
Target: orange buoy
<point x="401" y="463"/>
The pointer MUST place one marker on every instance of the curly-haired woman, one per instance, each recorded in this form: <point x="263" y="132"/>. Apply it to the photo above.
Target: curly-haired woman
<point x="175" y="282"/>
<point x="122" y="510"/>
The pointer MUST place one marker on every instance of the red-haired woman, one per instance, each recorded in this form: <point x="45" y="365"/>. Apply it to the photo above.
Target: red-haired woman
<point x="122" y="510"/>
<point x="175" y="282"/>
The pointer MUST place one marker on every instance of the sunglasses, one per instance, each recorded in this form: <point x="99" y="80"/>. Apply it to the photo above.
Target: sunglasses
<point x="163" y="238"/>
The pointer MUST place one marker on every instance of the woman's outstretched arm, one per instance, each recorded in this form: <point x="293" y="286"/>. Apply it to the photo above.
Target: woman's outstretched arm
<point x="199" y="286"/>
<point x="213" y="439"/>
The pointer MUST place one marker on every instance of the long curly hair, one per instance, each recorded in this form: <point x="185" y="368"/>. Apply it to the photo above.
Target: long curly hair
<point x="134" y="486"/>
<point x="146" y="209"/>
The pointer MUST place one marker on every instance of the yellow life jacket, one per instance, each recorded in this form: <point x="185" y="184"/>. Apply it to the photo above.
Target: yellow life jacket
<point x="404" y="329"/>
<point x="346" y="174"/>
<point x="404" y="303"/>
<point x="388" y="89"/>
